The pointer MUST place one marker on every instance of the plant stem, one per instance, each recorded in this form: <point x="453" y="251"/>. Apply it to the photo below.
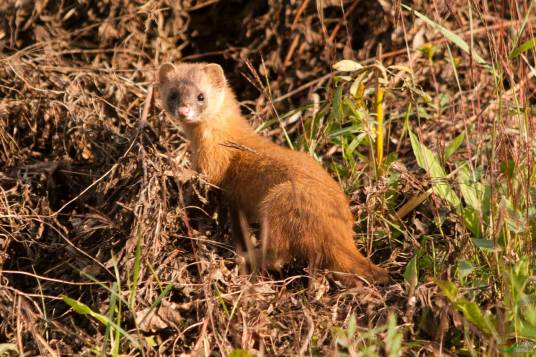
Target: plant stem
<point x="379" y="125"/>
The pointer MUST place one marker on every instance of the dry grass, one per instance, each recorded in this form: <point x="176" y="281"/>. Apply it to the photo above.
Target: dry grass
<point x="98" y="204"/>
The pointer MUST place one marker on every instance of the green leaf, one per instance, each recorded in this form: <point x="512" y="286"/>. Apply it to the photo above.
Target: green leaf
<point x="457" y="40"/>
<point x="530" y="315"/>
<point x="471" y="219"/>
<point x="354" y="144"/>
<point x="519" y="276"/>
<point x="527" y="45"/>
<point x="465" y="268"/>
<point x="336" y="107"/>
<point x="469" y="188"/>
<point x="360" y="79"/>
<point x="83" y="309"/>
<point x="472" y="312"/>
<point x="528" y="332"/>
<point x="427" y="160"/>
<point x="354" y="129"/>
<point x="449" y="289"/>
<point x="347" y="66"/>
<point x="484" y="244"/>
<point x="393" y="338"/>
<point x="411" y="275"/>
<point x="453" y="146"/>
<point x="352" y="325"/>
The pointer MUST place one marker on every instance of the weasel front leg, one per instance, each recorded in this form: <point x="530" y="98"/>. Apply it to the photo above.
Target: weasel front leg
<point x="241" y="238"/>
<point x="266" y="257"/>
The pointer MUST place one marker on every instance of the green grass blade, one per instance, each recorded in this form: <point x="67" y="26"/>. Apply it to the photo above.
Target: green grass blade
<point x="110" y="316"/>
<point x="453" y="146"/>
<point x="525" y="46"/>
<point x="156" y="302"/>
<point x="83" y="309"/>
<point x="427" y="160"/>
<point x="451" y="36"/>
<point x="136" y="272"/>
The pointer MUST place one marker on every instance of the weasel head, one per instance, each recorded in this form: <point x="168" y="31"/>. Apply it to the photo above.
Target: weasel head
<point x="192" y="92"/>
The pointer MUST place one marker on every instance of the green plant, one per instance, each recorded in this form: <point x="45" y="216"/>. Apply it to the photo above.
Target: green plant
<point x="359" y="342"/>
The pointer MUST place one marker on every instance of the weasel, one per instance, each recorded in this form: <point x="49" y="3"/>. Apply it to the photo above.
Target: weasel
<point x="303" y="214"/>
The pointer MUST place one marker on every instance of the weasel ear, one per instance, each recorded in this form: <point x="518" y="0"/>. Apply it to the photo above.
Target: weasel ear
<point x="216" y="75"/>
<point x="165" y="71"/>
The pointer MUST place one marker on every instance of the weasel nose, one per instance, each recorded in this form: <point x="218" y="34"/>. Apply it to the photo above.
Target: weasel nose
<point x="184" y="111"/>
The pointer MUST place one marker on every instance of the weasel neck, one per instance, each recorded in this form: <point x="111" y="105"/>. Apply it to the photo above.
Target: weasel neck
<point x="210" y="154"/>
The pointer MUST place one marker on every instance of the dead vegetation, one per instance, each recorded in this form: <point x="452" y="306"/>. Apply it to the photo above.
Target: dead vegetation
<point x="97" y="201"/>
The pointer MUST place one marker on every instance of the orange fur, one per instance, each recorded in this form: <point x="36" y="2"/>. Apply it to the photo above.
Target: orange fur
<point x="305" y="217"/>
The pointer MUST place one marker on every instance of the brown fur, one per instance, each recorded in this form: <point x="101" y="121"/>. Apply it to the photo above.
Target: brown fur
<point x="304" y="216"/>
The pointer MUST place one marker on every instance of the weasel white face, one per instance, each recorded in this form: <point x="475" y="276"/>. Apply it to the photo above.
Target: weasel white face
<point x="192" y="92"/>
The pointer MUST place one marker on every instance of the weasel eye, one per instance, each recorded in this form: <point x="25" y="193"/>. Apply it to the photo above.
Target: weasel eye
<point x="173" y="95"/>
<point x="200" y="97"/>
